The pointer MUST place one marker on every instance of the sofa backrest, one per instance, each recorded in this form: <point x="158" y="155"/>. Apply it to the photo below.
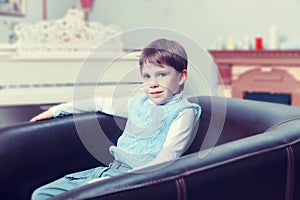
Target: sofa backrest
<point x="227" y="119"/>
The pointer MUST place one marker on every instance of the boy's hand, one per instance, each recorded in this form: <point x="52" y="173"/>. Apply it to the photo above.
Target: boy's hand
<point x="44" y="115"/>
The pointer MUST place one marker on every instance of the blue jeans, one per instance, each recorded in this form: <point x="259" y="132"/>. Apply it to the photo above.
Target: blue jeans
<point x="75" y="180"/>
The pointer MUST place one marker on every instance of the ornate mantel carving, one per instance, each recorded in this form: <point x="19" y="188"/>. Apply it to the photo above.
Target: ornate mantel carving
<point x="70" y="34"/>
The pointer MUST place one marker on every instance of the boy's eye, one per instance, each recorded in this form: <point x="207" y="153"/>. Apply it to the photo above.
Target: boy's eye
<point x="161" y="74"/>
<point x="146" y="76"/>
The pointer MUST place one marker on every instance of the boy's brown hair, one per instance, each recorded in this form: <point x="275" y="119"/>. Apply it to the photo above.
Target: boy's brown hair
<point x="165" y="52"/>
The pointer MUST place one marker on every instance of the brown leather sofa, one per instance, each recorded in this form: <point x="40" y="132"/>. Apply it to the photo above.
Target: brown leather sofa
<point x="242" y="150"/>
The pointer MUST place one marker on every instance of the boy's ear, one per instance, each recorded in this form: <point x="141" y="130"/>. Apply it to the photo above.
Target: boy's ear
<point x="183" y="77"/>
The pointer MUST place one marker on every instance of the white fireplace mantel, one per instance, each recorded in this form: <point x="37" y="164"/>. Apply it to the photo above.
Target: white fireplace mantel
<point x="47" y="79"/>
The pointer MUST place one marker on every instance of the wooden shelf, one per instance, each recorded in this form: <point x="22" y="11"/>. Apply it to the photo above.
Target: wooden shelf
<point x="256" y="58"/>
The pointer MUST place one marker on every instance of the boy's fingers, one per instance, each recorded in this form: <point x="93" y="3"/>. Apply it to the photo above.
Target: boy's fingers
<point x="34" y="119"/>
<point x="38" y="118"/>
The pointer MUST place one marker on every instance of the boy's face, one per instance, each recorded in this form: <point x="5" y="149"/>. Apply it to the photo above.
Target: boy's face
<point x="160" y="83"/>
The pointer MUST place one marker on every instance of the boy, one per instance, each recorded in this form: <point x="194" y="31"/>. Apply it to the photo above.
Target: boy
<point x="159" y="122"/>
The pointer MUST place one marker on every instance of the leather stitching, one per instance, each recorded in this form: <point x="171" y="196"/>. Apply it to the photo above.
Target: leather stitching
<point x="290" y="174"/>
<point x="181" y="189"/>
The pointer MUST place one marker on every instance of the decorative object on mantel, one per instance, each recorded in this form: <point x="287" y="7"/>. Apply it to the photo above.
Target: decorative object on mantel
<point x="12" y="38"/>
<point x="70" y="35"/>
<point x="87" y="6"/>
<point x="13" y="7"/>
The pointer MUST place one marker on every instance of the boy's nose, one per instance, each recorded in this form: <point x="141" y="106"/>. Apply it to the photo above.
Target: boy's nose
<point x="153" y="84"/>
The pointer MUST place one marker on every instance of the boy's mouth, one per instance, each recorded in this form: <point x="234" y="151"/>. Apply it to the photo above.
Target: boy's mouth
<point x="156" y="92"/>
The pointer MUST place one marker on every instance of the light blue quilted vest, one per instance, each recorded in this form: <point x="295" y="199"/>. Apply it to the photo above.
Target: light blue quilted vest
<point x="147" y="127"/>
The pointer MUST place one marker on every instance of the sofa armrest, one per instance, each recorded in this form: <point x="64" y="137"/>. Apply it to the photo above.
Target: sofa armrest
<point x="35" y="153"/>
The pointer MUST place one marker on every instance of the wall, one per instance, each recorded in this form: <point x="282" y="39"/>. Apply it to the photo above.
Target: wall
<point x="202" y="20"/>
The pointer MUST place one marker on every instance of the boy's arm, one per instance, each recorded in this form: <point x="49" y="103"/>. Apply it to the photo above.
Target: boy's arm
<point x="113" y="106"/>
<point x="178" y="138"/>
